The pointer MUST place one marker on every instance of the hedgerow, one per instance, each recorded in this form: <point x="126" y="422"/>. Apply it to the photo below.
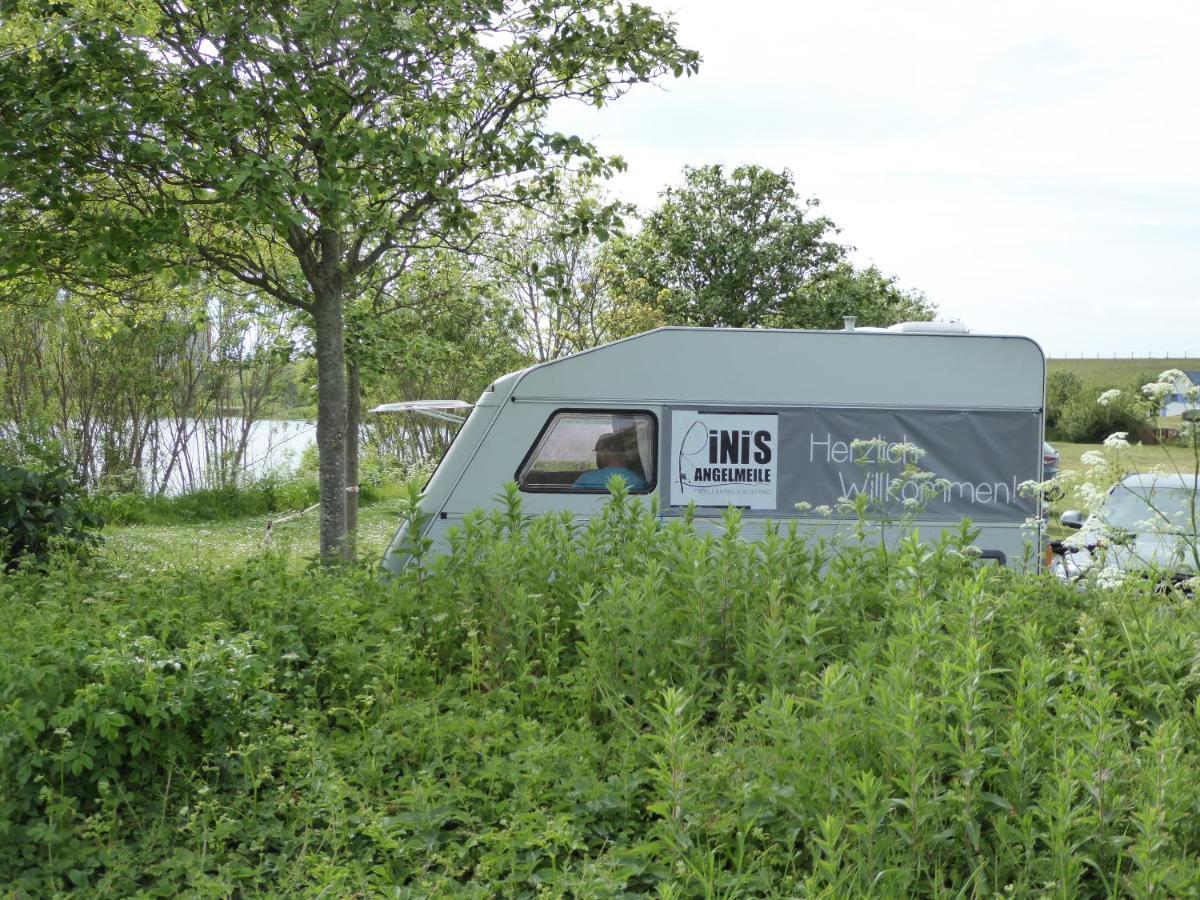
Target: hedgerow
<point x="598" y="710"/>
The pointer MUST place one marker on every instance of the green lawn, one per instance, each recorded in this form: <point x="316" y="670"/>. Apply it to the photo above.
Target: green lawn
<point x="223" y="543"/>
<point x="1138" y="458"/>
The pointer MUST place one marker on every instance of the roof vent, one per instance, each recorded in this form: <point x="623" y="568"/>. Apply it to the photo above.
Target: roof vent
<point x="930" y="328"/>
<point x="849" y="322"/>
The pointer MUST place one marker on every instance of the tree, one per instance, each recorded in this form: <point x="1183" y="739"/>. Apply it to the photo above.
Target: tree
<point x="150" y="391"/>
<point x="741" y="249"/>
<point x="435" y="330"/>
<point x="544" y="260"/>
<point x="869" y="295"/>
<point x="297" y="146"/>
<point x="447" y="336"/>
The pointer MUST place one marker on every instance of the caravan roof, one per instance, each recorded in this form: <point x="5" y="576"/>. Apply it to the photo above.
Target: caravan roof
<point x="776" y="366"/>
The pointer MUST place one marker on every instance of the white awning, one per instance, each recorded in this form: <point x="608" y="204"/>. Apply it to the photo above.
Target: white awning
<point x="432" y="408"/>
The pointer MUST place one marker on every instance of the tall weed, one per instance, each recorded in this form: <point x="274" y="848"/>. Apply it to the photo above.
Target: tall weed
<point x="599" y="709"/>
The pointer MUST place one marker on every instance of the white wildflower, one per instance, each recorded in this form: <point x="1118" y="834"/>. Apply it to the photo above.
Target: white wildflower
<point x="1117" y="440"/>
<point x="1108" y="396"/>
<point x="823" y="510"/>
<point x="1158" y="391"/>
<point x="1093" y="458"/>
<point x="863" y="446"/>
<point x="1092" y="495"/>
<point x="907" y="452"/>
<point x="1030" y="488"/>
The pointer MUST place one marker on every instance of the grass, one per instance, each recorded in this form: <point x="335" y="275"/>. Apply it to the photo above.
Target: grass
<point x="1104" y="373"/>
<point x="223" y="543"/>
<point x="1139" y="457"/>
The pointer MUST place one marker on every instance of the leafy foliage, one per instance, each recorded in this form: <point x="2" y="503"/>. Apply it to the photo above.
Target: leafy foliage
<point x="1062" y="387"/>
<point x="439" y="332"/>
<point x="1084" y="419"/>
<point x="161" y="392"/>
<point x="42" y="512"/>
<point x="301" y="149"/>
<point x="598" y="710"/>
<point x="741" y="249"/>
<point x="545" y="261"/>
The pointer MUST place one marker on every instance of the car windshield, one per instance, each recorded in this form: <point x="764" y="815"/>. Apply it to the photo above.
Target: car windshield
<point x="1152" y="509"/>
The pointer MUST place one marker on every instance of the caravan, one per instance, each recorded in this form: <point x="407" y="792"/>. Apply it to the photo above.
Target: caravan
<point x="770" y="421"/>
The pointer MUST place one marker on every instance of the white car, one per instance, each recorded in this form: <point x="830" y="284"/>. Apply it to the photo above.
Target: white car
<point x="1050" y="460"/>
<point x="1147" y="523"/>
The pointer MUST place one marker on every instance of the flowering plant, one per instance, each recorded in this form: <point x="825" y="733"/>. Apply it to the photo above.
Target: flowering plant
<point x="1138" y="521"/>
<point x="905" y="489"/>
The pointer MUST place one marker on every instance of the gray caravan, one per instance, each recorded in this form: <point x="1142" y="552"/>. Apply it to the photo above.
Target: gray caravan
<point x="765" y="420"/>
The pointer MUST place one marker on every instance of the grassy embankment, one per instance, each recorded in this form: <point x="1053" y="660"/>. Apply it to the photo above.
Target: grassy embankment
<point x="1104" y="373"/>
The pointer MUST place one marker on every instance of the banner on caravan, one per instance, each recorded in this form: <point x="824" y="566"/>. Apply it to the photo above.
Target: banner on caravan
<point x="720" y="459"/>
<point x="809" y="455"/>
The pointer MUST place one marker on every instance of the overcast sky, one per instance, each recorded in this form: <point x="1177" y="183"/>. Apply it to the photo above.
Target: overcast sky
<point x="1033" y="168"/>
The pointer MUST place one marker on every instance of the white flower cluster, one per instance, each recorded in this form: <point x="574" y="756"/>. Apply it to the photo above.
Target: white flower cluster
<point x="1092" y="494"/>
<point x="1172" y="381"/>
<point x="1158" y="391"/>
<point x="821" y="510"/>
<point x="1108" y="396"/>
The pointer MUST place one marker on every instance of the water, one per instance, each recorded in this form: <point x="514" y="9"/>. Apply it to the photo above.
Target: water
<point x="272" y="445"/>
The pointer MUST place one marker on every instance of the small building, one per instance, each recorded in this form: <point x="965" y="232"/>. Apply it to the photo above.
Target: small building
<point x="1184" y="397"/>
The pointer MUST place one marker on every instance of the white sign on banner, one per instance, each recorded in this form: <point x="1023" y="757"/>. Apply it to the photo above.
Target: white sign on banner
<point x="719" y="459"/>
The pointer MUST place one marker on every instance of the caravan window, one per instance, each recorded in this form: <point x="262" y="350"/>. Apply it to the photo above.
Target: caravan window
<point x="578" y="451"/>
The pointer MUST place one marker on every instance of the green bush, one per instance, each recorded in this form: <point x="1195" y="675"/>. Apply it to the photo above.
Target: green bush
<point x="267" y="496"/>
<point x="614" y="708"/>
<point x="1083" y="420"/>
<point x="1062" y="388"/>
<point x="42" y="512"/>
<point x="272" y="494"/>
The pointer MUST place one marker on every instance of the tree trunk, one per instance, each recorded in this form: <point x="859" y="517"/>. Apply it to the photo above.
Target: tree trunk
<point x="353" y="424"/>
<point x="331" y="421"/>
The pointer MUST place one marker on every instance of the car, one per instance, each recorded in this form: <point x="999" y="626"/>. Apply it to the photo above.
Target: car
<point x="1050" y="460"/>
<point x="1146" y="524"/>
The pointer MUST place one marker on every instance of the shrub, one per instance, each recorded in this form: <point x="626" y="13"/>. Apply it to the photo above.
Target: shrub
<point x="1062" y="388"/>
<point x="41" y="512"/>
<point x="1085" y="420"/>
<point x="271" y="494"/>
<point x="620" y="707"/>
